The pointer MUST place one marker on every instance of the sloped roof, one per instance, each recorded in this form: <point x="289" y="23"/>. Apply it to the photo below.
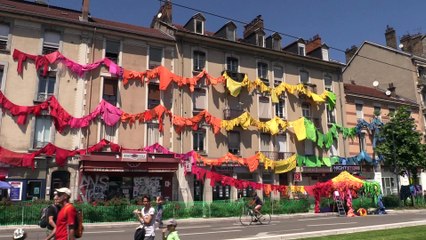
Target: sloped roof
<point x="72" y="16"/>
<point x="375" y="93"/>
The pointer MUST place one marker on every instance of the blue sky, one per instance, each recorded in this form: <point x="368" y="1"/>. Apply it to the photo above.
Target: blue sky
<point x="340" y="23"/>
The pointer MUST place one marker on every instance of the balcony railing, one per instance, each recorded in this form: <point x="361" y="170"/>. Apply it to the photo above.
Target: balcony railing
<point x="274" y="155"/>
<point x="229" y="113"/>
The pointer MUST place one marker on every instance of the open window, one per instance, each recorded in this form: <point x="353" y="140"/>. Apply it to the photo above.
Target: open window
<point x="4" y="36"/>
<point x="51" y="42"/>
<point x="46" y="86"/>
<point x="234" y="142"/>
<point x="112" y="50"/>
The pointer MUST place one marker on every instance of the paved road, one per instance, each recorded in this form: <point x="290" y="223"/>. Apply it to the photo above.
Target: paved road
<point x="281" y="227"/>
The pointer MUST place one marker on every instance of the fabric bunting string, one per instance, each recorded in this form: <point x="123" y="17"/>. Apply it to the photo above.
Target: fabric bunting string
<point x="165" y="77"/>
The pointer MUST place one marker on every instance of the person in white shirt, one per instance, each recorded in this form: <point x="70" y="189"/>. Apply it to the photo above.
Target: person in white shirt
<point x="147" y="218"/>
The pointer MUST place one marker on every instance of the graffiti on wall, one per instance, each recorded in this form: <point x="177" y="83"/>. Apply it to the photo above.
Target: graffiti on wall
<point x="93" y="187"/>
<point x="150" y="186"/>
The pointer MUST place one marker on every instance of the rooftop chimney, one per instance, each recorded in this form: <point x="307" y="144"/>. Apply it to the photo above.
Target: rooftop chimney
<point x="164" y="14"/>
<point x="313" y="43"/>
<point x="85" y="11"/>
<point x="350" y="52"/>
<point x="391" y="88"/>
<point x="390" y="36"/>
<point x="255" y="24"/>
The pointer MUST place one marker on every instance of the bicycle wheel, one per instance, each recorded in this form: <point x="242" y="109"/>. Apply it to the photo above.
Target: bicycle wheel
<point x="265" y="218"/>
<point x="246" y="218"/>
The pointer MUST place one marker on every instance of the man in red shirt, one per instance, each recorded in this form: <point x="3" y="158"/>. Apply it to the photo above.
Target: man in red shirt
<point x="66" y="217"/>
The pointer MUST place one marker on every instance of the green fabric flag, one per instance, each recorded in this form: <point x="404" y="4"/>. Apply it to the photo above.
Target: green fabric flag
<point x="331" y="99"/>
<point x="326" y="161"/>
<point x="320" y="139"/>
<point x="300" y="160"/>
<point x="310" y="130"/>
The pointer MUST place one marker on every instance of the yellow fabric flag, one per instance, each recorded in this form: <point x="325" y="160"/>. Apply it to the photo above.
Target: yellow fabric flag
<point x="299" y="128"/>
<point x="286" y="165"/>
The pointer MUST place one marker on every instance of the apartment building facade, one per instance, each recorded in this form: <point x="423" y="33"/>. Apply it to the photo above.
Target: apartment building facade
<point x="387" y="68"/>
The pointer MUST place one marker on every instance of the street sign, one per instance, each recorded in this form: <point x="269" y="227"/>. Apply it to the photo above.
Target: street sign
<point x="349" y="168"/>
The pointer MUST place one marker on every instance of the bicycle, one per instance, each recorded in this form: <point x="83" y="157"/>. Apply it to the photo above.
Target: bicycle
<point x="248" y="217"/>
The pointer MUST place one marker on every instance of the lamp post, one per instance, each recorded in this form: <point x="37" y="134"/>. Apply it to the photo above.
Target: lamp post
<point x="394" y="162"/>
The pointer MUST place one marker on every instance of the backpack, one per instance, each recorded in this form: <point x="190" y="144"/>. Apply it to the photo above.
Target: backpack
<point x="78" y="224"/>
<point x="44" y="220"/>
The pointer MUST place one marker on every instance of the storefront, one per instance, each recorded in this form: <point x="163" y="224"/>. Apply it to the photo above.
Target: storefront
<point x="130" y="175"/>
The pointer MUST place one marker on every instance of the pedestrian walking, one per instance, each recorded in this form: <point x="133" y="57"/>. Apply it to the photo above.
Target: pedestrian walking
<point x="146" y="217"/>
<point x="66" y="218"/>
<point x="52" y="215"/>
<point x="159" y="216"/>
<point x="171" y="229"/>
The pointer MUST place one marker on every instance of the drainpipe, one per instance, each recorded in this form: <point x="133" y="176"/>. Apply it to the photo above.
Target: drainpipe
<point x="343" y="108"/>
<point x="91" y="85"/>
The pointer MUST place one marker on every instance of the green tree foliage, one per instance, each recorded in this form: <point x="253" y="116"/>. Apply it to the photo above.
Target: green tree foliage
<point x="401" y="145"/>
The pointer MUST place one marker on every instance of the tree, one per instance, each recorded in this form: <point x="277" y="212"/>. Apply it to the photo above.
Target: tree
<point x="401" y="146"/>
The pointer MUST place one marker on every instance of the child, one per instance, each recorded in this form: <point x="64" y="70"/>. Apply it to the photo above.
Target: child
<point x="171" y="227"/>
<point x="159" y="217"/>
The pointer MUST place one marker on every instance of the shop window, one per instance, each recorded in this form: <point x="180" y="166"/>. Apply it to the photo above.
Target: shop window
<point x="46" y="86"/>
<point x="199" y="140"/>
<point x="304" y="76"/>
<point x="155" y="57"/>
<point x="199" y="99"/>
<point x="4" y="36"/>
<point x="221" y="192"/>
<point x="198" y="190"/>
<point x="264" y="108"/>
<point x="262" y="72"/>
<point x="153" y="95"/>
<point x="42" y="131"/>
<point x="232" y="64"/>
<point x="110" y="91"/>
<point x="199" y="61"/>
<point x="59" y="179"/>
<point x="112" y="50"/>
<point x="234" y="142"/>
<point x="51" y="42"/>
<point x="34" y="189"/>
<point x="153" y="134"/>
<point x="280" y="108"/>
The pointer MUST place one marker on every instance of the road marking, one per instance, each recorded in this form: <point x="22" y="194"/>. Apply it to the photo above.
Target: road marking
<point x="315" y="219"/>
<point x="201" y="233"/>
<point x="104" y="232"/>
<point x="330" y="224"/>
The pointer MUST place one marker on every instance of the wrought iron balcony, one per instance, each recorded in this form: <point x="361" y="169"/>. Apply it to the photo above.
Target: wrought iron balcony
<point x="274" y="155"/>
<point x="230" y="113"/>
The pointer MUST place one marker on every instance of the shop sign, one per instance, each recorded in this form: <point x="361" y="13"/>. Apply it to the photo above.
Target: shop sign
<point x="15" y="193"/>
<point x="137" y="156"/>
<point x="297" y="177"/>
<point x="349" y="168"/>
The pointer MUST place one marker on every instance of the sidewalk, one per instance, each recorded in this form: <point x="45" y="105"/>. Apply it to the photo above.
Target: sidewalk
<point x="204" y="220"/>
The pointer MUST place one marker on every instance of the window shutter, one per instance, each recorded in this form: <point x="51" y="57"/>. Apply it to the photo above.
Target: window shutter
<point x="52" y="38"/>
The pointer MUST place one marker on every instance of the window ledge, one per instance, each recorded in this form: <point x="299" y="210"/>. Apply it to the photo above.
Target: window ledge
<point x="5" y="51"/>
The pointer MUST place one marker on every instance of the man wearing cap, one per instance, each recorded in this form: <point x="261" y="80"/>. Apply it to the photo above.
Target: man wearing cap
<point x="66" y="217"/>
<point x="52" y="216"/>
<point x="171" y="228"/>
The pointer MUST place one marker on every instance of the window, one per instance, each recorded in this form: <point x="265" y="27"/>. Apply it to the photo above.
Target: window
<point x="43" y="124"/>
<point x="199" y="61"/>
<point x="309" y="147"/>
<point x="153" y="134"/>
<point x="280" y="108"/>
<point x="331" y="115"/>
<point x="264" y="108"/>
<point x="230" y="34"/>
<point x="155" y="57"/>
<point x="262" y="72"/>
<point x="325" y="54"/>
<point x="154" y="97"/>
<point x="362" y="141"/>
<point x="199" y="99"/>
<point x="232" y="64"/>
<point x="301" y="49"/>
<point x="278" y="75"/>
<point x="46" y="86"/>
<point x="306" y="110"/>
<point x="276" y="44"/>
<point x="265" y="142"/>
<point x="1" y="76"/>
<point x="51" y="41"/>
<point x="260" y="40"/>
<point x="199" y="26"/>
<point x="334" y="150"/>
<point x="112" y="50"/>
<point x="234" y="143"/>
<point x="281" y="145"/>
<point x="198" y="140"/>
<point x="328" y="83"/>
<point x="304" y="76"/>
<point x="4" y="36"/>
<point x="359" y="112"/>
<point x="108" y="132"/>
<point x="388" y="185"/>
<point x="110" y="90"/>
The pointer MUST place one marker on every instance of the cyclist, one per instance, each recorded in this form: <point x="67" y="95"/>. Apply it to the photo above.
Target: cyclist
<point x="257" y="203"/>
